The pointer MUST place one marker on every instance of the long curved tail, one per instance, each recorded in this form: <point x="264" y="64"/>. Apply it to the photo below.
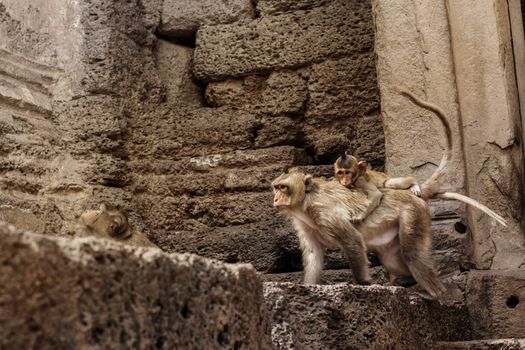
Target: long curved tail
<point x="430" y="187"/>
<point x="473" y="202"/>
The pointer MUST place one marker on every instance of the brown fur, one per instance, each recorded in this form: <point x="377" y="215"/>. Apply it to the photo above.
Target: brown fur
<point x="354" y="174"/>
<point x="108" y="221"/>
<point x="398" y="230"/>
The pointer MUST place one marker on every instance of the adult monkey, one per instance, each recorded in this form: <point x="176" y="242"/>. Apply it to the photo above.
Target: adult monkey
<point x="398" y="230"/>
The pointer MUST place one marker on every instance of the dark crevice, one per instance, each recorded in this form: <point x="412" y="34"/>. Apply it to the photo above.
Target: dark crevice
<point x="186" y="39"/>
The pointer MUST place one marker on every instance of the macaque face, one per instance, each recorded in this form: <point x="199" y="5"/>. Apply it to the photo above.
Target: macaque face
<point x="345" y="176"/>
<point x="108" y="220"/>
<point x="289" y="190"/>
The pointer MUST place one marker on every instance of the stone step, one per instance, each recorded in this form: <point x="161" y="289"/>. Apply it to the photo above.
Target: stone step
<point x="496" y="344"/>
<point x="496" y="303"/>
<point x="348" y="316"/>
<point x="96" y="294"/>
<point x="328" y="277"/>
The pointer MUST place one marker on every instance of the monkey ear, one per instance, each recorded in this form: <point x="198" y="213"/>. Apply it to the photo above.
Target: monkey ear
<point x="362" y="165"/>
<point x="308" y="183"/>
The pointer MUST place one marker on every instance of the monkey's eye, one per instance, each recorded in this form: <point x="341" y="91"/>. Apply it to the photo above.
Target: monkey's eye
<point x="282" y="188"/>
<point x="340" y="172"/>
<point x="348" y="172"/>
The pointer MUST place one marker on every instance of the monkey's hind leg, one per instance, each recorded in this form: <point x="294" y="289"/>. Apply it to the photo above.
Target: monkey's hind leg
<point x="355" y="250"/>
<point x="416" y="238"/>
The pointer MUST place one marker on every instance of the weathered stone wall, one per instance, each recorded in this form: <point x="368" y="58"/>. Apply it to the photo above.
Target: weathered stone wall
<point x="188" y="135"/>
<point x="293" y="86"/>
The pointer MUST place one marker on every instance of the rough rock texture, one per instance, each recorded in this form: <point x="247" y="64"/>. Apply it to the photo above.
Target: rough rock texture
<point x="201" y="176"/>
<point x="60" y="293"/>
<point x="180" y="19"/>
<point x="355" y="317"/>
<point x="287" y="41"/>
<point x="174" y="66"/>
<point x="276" y="7"/>
<point x="490" y="111"/>
<point x="499" y="344"/>
<point x="496" y="303"/>
<point x="278" y="93"/>
<point x="123" y="121"/>
<point x="327" y="276"/>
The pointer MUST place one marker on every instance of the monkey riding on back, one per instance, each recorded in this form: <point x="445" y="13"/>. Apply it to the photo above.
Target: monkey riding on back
<point x="398" y="228"/>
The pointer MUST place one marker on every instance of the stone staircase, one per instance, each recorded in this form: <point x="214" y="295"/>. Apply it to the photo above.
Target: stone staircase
<point x="60" y="293"/>
<point x="345" y="316"/>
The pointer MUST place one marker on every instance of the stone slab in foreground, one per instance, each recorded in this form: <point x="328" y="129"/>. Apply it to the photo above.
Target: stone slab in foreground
<point x="355" y="317"/>
<point x="95" y="294"/>
<point x="496" y="344"/>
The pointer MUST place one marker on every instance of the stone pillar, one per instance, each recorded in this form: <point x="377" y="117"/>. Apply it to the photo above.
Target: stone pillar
<point x="488" y="99"/>
<point x="413" y="50"/>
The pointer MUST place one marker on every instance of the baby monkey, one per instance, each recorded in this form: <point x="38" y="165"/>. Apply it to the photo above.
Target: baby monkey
<point x="351" y="173"/>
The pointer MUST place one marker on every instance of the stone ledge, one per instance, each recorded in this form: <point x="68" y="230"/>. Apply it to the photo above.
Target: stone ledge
<point x="89" y="293"/>
<point x="355" y="317"/>
<point x="497" y="344"/>
<point x="496" y="303"/>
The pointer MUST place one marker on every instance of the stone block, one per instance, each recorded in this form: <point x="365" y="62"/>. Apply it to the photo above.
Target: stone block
<point x="174" y="65"/>
<point x="496" y="344"/>
<point x="275" y="131"/>
<point x="88" y="293"/>
<point x="450" y="247"/>
<point x="280" y="92"/>
<point x="276" y="7"/>
<point x="355" y="317"/>
<point x="404" y="31"/>
<point x="180" y="19"/>
<point x="341" y="28"/>
<point x="489" y="106"/>
<point x="279" y="156"/>
<point x="173" y="133"/>
<point x="267" y="245"/>
<point x="496" y="303"/>
<point x="342" y="89"/>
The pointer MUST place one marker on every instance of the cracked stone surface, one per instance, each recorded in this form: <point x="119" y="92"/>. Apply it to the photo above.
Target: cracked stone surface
<point x="58" y="293"/>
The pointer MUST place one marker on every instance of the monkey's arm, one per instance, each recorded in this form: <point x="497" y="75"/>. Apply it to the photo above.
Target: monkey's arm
<point x="373" y="194"/>
<point x="404" y="183"/>
<point x="313" y="253"/>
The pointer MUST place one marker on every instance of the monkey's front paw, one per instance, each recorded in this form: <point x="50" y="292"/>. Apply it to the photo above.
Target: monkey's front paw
<point x="415" y="189"/>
